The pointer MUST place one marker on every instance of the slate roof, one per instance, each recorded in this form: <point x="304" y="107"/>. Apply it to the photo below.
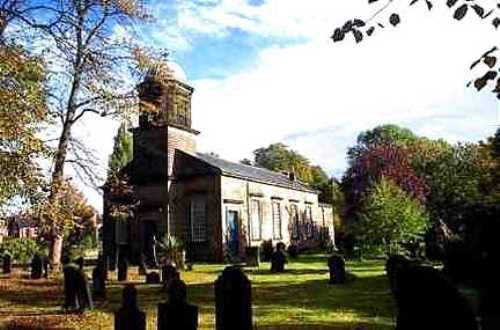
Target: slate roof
<point x="253" y="173"/>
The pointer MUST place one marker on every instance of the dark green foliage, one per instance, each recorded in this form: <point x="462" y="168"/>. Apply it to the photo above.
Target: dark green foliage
<point x="21" y="249"/>
<point x="122" y="151"/>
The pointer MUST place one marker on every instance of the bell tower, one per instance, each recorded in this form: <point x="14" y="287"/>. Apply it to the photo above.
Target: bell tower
<point x="164" y="126"/>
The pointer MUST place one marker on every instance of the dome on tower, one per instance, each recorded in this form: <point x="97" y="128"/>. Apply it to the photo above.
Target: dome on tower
<point x="177" y="72"/>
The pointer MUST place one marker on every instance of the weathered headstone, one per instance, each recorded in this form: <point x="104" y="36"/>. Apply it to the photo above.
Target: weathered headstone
<point x="392" y="267"/>
<point x="36" y="267"/>
<point x="80" y="262"/>
<point x="427" y="300"/>
<point x="99" y="281"/>
<point x="278" y="259"/>
<point x="176" y="313"/>
<point x="46" y="265"/>
<point x="233" y="300"/>
<point x="252" y="255"/>
<point x="122" y="269"/>
<point x="76" y="289"/>
<point x="129" y="316"/>
<point x="293" y="250"/>
<point x="168" y="274"/>
<point x="336" y="266"/>
<point x="153" y="278"/>
<point x="7" y="263"/>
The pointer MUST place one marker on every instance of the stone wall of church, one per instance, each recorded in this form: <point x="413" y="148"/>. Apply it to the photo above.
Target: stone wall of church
<point x="181" y="140"/>
<point x="238" y="194"/>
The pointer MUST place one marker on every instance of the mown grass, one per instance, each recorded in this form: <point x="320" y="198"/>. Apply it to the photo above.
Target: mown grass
<point x="301" y="298"/>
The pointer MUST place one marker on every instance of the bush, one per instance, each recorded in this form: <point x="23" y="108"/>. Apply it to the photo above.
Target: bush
<point x="267" y="250"/>
<point x="21" y="249"/>
<point x="171" y="249"/>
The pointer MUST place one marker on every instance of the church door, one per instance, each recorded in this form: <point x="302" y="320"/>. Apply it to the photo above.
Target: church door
<point x="233" y="233"/>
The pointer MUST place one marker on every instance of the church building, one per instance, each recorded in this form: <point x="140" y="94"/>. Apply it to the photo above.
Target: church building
<point x="216" y="207"/>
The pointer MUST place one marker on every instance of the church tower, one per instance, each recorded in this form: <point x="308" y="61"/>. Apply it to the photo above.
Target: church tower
<point x="164" y="126"/>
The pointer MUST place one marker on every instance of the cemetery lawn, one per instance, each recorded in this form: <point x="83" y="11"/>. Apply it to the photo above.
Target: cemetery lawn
<point x="300" y="299"/>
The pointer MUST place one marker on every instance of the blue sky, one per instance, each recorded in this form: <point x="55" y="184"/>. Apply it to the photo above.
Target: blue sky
<point x="265" y="71"/>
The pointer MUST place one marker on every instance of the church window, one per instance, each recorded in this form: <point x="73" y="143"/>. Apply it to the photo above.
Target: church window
<point x="309" y="221"/>
<point x="277" y="220"/>
<point x="255" y="220"/>
<point x="121" y="231"/>
<point x="294" y="218"/>
<point x="198" y="220"/>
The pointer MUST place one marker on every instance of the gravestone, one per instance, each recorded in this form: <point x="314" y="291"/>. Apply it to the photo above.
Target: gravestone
<point x="129" y="316"/>
<point x="142" y="265"/>
<point x="153" y="278"/>
<point x="46" y="265"/>
<point x="233" y="300"/>
<point x="76" y="289"/>
<point x="252" y="255"/>
<point x="427" y="300"/>
<point x="99" y="281"/>
<point x="80" y="262"/>
<point x="278" y="259"/>
<point x="122" y="269"/>
<point x="7" y="263"/>
<point x="392" y="267"/>
<point x="168" y="274"/>
<point x="293" y="250"/>
<point x="176" y="313"/>
<point x="336" y="266"/>
<point x="36" y="267"/>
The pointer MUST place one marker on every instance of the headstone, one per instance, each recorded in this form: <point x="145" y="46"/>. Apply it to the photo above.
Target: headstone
<point x="129" y="316"/>
<point x="293" y="250"/>
<point x="168" y="274"/>
<point x="252" y="255"/>
<point x="427" y="300"/>
<point x="392" y="267"/>
<point x="122" y="269"/>
<point x="7" y="263"/>
<point x="80" y="262"/>
<point x="267" y="250"/>
<point x="46" y="265"/>
<point x="153" y="278"/>
<point x="99" y="281"/>
<point x="176" y="313"/>
<point x="278" y="259"/>
<point x="336" y="265"/>
<point x="233" y="300"/>
<point x="36" y="267"/>
<point x="76" y="289"/>
<point x="142" y="265"/>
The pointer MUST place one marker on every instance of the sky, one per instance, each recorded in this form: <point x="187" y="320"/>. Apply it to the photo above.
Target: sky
<point x="266" y="71"/>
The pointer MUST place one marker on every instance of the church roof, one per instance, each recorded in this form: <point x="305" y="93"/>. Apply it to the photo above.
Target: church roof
<point x="253" y="173"/>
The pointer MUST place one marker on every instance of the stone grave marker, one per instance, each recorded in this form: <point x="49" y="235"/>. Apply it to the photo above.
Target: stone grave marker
<point x="129" y="316"/>
<point x="176" y="313"/>
<point x="76" y="289"/>
<point x="36" y="267"/>
<point x="99" y="281"/>
<point x="278" y="259"/>
<point x="336" y="266"/>
<point x="122" y="269"/>
<point x="7" y="263"/>
<point x="153" y="278"/>
<point x="233" y="300"/>
<point x="252" y="256"/>
<point x="168" y="274"/>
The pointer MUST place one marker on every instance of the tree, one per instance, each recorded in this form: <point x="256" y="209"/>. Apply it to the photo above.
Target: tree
<point x="360" y="29"/>
<point x="376" y="162"/>
<point x="122" y="151"/>
<point x="389" y="219"/>
<point x="22" y="114"/>
<point x="278" y="157"/>
<point x="88" y="77"/>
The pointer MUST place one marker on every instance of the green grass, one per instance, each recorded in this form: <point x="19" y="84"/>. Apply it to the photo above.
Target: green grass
<point x="301" y="298"/>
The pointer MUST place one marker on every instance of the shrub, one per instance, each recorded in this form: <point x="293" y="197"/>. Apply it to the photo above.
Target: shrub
<point x="171" y="249"/>
<point x="21" y="249"/>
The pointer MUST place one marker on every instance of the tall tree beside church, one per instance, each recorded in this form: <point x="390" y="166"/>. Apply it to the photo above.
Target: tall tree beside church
<point x="122" y="151"/>
<point x="87" y="76"/>
<point x="278" y="157"/>
<point x="22" y="114"/>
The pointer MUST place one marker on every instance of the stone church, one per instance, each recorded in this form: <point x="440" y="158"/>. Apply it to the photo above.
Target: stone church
<point x="216" y="207"/>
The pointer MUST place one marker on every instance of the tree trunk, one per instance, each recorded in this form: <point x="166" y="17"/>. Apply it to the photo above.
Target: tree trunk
<point x="55" y="251"/>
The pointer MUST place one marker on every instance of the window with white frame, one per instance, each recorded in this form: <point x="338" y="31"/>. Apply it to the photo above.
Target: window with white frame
<point x="198" y="220"/>
<point x="121" y="231"/>
<point x="309" y="221"/>
<point x="277" y="220"/>
<point x="294" y="218"/>
<point x="255" y="220"/>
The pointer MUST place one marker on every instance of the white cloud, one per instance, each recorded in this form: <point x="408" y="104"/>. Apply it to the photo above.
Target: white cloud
<point x="317" y="96"/>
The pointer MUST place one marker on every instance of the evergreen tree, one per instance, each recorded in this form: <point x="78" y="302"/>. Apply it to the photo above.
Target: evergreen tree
<point x="122" y="151"/>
